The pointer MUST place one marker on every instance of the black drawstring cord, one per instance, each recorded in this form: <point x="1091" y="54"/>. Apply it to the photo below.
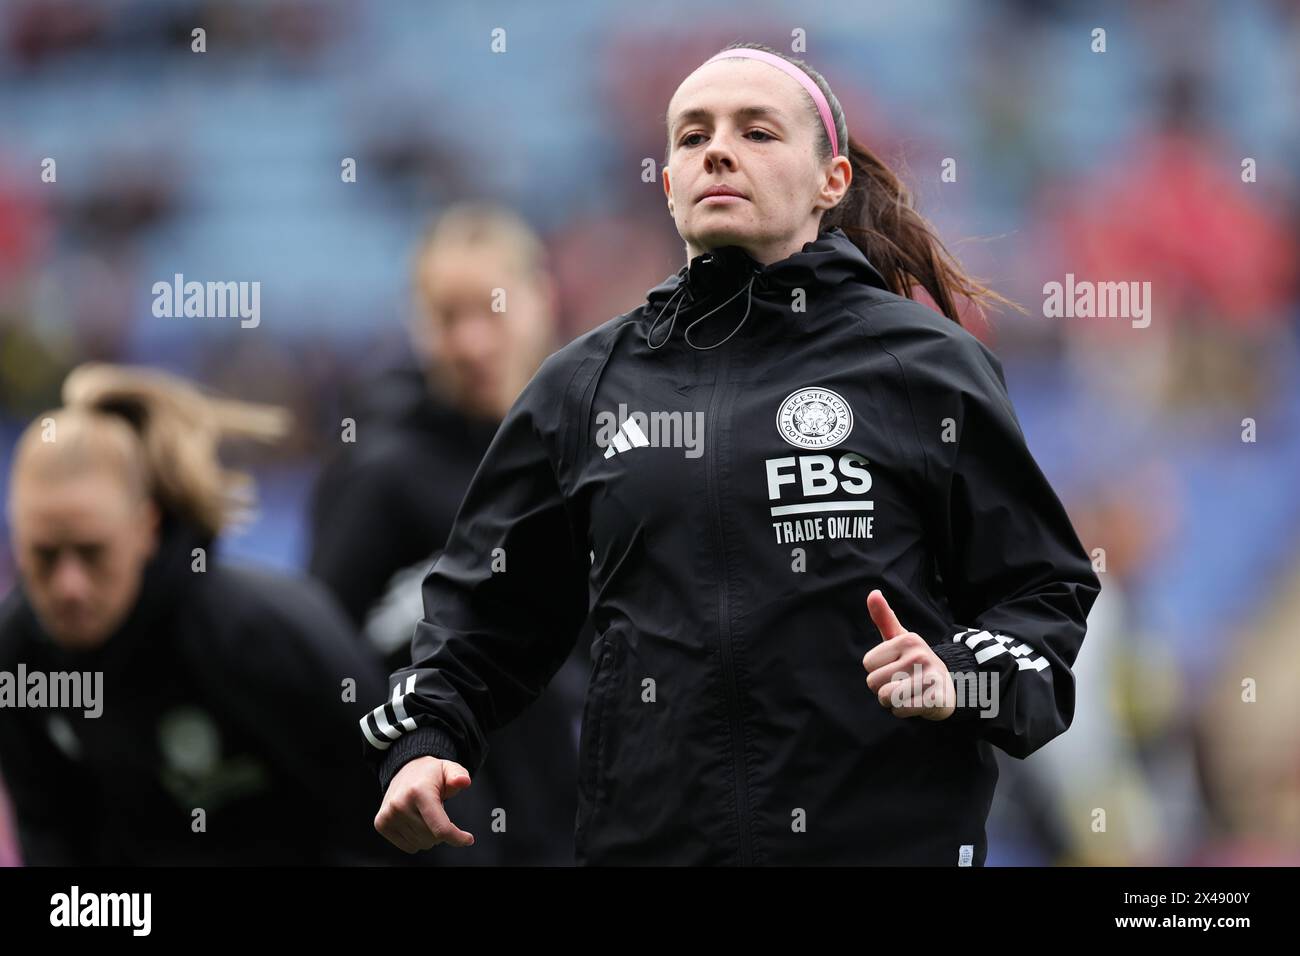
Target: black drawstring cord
<point x="749" y="302"/>
<point x="655" y="323"/>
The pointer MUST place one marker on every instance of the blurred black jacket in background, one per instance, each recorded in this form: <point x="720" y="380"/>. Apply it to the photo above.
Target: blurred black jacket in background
<point x="223" y="691"/>
<point x="387" y="500"/>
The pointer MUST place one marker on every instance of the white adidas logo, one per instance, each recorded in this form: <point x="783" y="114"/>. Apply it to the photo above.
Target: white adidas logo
<point x="628" y="436"/>
<point x="662" y="429"/>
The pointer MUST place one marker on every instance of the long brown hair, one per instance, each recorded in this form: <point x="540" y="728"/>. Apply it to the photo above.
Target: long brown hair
<point x="878" y="214"/>
<point x="159" y="432"/>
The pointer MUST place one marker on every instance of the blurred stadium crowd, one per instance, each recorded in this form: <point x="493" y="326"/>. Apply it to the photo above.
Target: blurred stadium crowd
<point x="1123" y="165"/>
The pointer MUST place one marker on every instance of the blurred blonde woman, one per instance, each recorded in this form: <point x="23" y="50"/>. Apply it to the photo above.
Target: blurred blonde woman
<point x="213" y="704"/>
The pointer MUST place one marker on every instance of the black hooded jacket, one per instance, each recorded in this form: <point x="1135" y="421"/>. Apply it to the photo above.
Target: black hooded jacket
<point x="223" y="691"/>
<point x="386" y="503"/>
<point x="852" y="439"/>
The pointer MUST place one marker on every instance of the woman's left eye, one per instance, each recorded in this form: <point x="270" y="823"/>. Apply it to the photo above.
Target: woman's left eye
<point x="760" y="133"/>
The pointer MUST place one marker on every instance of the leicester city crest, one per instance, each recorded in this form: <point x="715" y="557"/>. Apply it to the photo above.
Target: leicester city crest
<point x="814" y="418"/>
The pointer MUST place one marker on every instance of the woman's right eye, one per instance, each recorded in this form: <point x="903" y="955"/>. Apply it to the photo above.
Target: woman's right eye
<point x="689" y="136"/>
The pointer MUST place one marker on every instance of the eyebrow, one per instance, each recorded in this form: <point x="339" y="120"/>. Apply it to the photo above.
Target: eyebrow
<point x="745" y="112"/>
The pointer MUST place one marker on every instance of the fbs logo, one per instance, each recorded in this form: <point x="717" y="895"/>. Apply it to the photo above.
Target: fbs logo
<point x="814" y="418"/>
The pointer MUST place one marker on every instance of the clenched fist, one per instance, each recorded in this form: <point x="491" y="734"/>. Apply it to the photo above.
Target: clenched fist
<point x="412" y="817"/>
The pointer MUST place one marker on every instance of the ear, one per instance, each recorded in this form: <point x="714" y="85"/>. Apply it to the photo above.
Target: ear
<point x="668" y="189"/>
<point x="837" y="183"/>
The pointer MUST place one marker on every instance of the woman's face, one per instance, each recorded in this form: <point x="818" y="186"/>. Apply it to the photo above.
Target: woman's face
<point x="746" y="125"/>
<point x="485" y="346"/>
<point x="81" y="544"/>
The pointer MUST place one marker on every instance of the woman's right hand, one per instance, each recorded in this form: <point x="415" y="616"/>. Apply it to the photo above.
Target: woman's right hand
<point x="412" y="817"/>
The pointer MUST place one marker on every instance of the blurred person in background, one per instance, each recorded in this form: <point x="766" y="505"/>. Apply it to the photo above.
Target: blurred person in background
<point x="226" y="709"/>
<point x="484" y="319"/>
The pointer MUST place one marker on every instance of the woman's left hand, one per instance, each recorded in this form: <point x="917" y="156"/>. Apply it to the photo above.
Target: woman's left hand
<point x="907" y="676"/>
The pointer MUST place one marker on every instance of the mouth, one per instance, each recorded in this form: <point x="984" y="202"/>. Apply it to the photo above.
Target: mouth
<point x="70" y="616"/>
<point x="721" y="194"/>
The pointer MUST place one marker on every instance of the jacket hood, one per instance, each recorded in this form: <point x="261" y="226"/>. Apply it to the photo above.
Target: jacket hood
<point x="729" y="274"/>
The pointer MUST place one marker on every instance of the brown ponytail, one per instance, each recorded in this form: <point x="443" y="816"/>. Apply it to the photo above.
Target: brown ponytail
<point x="159" y="432"/>
<point x="879" y="216"/>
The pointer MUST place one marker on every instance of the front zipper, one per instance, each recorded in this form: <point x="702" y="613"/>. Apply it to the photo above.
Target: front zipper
<point x="724" y="624"/>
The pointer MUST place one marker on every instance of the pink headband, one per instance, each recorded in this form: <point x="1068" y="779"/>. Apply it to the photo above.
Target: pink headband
<point x="803" y="78"/>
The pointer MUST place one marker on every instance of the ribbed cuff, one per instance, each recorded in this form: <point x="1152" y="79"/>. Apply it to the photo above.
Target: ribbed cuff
<point x="420" y="742"/>
<point x="959" y="659"/>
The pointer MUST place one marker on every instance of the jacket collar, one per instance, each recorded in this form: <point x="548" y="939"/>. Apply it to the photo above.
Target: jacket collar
<point x="729" y="273"/>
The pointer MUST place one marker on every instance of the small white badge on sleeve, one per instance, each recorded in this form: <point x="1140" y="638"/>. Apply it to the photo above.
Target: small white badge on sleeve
<point x="966" y="854"/>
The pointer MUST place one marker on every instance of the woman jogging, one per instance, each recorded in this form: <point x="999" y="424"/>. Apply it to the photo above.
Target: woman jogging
<point x="736" y="480"/>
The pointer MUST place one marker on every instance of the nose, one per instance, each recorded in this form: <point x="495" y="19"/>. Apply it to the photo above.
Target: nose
<point x="473" y="340"/>
<point x="719" y="153"/>
<point x="70" y="582"/>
